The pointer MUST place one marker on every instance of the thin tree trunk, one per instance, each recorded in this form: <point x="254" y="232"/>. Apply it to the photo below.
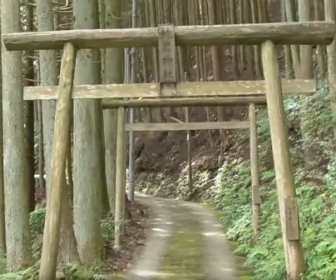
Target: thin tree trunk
<point x="29" y="113"/>
<point x="18" y="241"/>
<point x="88" y="179"/>
<point x="113" y="73"/>
<point x="2" y="194"/>
<point x="321" y="50"/>
<point x="290" y="15"/>
<point x="131" y="111"/>
<point x="330" y="15"/>
<point x="306" y="51"/>
<point x="40" y="147"/>
<point x="287" y="49"/>
<point x="233" y="20"/>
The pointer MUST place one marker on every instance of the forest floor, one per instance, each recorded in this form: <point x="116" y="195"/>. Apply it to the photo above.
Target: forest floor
<point x="184" y="241"/>
<point x="133" y="239"/>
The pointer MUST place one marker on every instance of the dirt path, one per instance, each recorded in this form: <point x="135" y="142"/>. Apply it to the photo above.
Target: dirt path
<point x="158" y="236"/>
<point x="185" y="241"/>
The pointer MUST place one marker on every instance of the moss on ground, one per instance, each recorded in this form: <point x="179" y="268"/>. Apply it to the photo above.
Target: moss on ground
<point x="185" y="257"/>
<point x="115" y="277"/>
<point x="244" y="272"/>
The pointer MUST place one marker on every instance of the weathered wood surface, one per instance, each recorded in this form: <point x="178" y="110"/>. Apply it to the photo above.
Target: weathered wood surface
<point x="167" y="54"/>
<point x="192" y="89"/>
<point x="295" y="263"/>
<point x="57" y="178"/>
<point x="119" y="213"/>
<point x="292" y="219"/>
<point x="167" y="59"/>
<point x="256" y="200"/>
<point x="238" y="34"/>
<point x="186" y="126"/>
<point x="183" y="102"/>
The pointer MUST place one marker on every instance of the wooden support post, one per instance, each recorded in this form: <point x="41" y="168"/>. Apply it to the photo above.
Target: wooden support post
<point x="120" y="178"/>
<point x="60" y="147"/>
<point x="282" y="163"/>
<point x="124" y="211"/>
<point x="189" y="155"/>
<point x="256" y="200"/>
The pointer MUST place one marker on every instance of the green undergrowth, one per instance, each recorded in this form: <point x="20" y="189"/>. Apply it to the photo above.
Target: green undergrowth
<point x="184" y="259"/>
<point x="317" y="218"/>
<point x="70" y="271"/>
<point x="315" y="179"/>
<point x="161" y="185"/>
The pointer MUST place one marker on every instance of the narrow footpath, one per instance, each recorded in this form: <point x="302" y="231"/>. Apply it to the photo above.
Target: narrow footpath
<point x="184" y="241"/>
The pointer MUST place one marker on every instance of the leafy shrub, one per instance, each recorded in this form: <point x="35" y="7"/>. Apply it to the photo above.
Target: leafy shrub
<point x="107" y="227"/>
<point x="36" y="220"/>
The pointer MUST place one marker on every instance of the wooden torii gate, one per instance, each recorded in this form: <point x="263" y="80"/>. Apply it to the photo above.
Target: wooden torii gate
<point x="170" y="93"/>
